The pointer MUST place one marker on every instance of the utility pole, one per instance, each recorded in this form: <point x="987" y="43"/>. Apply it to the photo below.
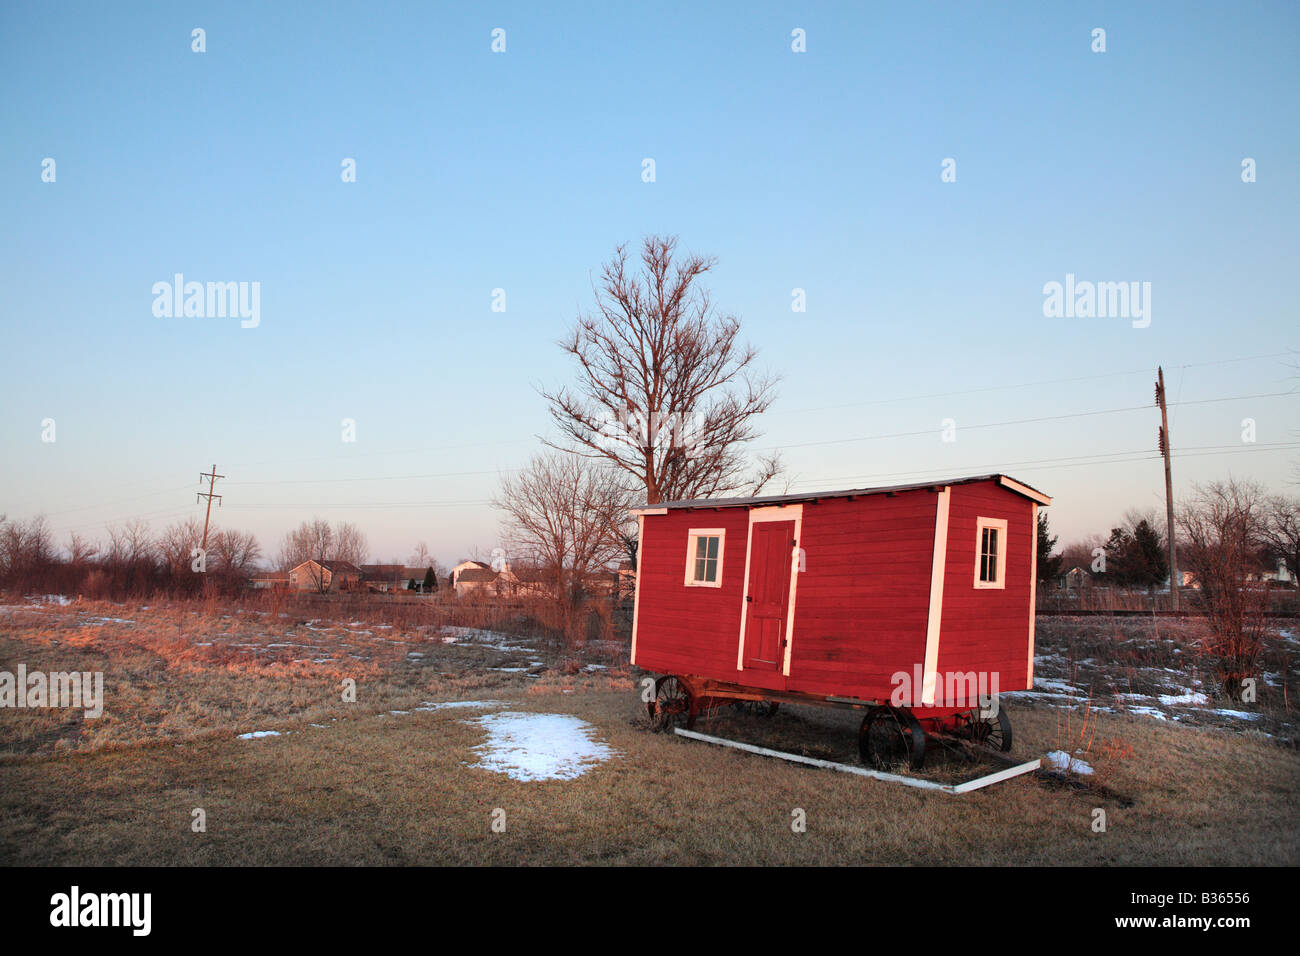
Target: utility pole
<point x="212" y="481"/>
<point x="1166" y="450"/>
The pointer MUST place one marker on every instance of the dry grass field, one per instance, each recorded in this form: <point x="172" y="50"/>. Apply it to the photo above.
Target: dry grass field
<point x="393" y="779"/>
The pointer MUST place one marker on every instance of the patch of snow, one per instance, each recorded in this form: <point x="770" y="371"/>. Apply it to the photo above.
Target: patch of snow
<point x="539" y="746"/>
<point x="1063" y="761"/>
<point x="1148" y="712"/>
<point x="1056" y="685"/>
<point x="1190" y="697"/>
<point x="1239" y="714"/>
<point x="430" y="705"/>
<point x="477" y="637"/>
<point x="259" y="733"/>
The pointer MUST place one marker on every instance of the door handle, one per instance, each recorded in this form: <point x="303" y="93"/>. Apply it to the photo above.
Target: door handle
<point x="748" y="598"/>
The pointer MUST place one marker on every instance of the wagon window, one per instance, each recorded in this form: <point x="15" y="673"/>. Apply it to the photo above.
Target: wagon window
<point x="990" y="552"/>
<point x="704" y="558"/>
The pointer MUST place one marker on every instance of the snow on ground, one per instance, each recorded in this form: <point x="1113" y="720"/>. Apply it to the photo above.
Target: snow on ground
<point x="477" y="637"/>
<point x="539" y="746"/>
<point x="1063" y="761"/>
<point x="431" y="705"/>
<point x="1188" y="697"/>
<point x="259" y="733"/>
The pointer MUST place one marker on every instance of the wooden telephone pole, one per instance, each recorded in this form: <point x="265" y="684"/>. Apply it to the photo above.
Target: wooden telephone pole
<point x="212" y="481"/>
<point x="1166" y="450"/>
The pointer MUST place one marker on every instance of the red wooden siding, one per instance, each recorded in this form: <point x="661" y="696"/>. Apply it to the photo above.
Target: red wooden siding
<point x="689" y="630"/>
<point x="986" y="630"/>
<point x="862" y="601"/>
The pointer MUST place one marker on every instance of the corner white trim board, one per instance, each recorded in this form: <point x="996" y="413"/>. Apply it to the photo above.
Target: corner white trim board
<point x="1033" y="588"/>
<point x="935" y="619"/>
<point x="640" y="563"/>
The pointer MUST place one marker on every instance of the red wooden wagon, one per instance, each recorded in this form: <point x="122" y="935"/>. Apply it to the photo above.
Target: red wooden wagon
<point x="914" y="603"/>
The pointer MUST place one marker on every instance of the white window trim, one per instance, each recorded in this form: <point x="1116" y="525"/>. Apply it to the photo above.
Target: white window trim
<point x="692" y="535"/>
<point x="1001" y="525"/>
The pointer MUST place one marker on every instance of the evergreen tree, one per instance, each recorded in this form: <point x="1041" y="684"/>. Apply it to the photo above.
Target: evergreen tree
<point x="1119" y="557"/>
<point x="1049" y="565"/>
<point x="430" y="581"/>
<point x="1150" y="566"/>
<point x="412" y="586"/>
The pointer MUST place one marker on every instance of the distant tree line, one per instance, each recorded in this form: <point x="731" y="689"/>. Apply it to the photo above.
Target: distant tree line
<point x="131" y="559"/>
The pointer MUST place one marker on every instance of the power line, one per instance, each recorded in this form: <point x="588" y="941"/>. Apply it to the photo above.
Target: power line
<point x="1022" y="421"/>
<point x="999" y="388"/>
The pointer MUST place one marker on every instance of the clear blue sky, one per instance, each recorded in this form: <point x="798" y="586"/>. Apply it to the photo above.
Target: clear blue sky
<point x="522" y="170"/>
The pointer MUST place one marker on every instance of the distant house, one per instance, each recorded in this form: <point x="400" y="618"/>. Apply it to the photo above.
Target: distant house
<point x="387" y="578"/>
<point x="483" y="580"/>
<point x="1076" y="579"/>
<point x="466" y="566"/>
<point x="1283" y="574"/>
<point x="325" y="576"/>
<point x="269" y="581"/>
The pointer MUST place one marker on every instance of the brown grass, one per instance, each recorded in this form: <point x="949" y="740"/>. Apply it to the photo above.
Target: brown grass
<point x="370" y="787"/>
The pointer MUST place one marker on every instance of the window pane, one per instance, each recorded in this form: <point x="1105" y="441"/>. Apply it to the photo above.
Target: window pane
<point x="701" y="547"/>
<point x="984" y="567"/>
<point x="699" y="569"/>
<point x="711" y="570"/>
<point x="713" y="548"/>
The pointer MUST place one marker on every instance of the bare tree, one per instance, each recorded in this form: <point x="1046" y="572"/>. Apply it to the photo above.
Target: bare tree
<point x="234" y="552"/>
<point x="560" y="516"/>
<point x="350" y="543"/>
<point x="26" y="547"/>
<point x="667" y="393"/>
<point x="316" y="540"/>
<point x="1220" y="529"/>
<point x="1280" y="531"/>
<point x="176" y="544"/>
<point x="80" y="551"/>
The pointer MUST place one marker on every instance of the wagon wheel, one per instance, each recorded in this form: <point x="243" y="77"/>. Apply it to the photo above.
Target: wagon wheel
<point x="759" y="708"/>
<point x="672" y="705"/>
<point x="890" y="735"/>
<point x="993" y="733"/>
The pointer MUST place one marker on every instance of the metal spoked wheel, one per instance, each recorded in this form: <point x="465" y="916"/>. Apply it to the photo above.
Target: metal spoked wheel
<point x="890" y="738"/>
<point x="758" y="708"/>
<point x="672" y="705"/>
<point x="991" y="733"/>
